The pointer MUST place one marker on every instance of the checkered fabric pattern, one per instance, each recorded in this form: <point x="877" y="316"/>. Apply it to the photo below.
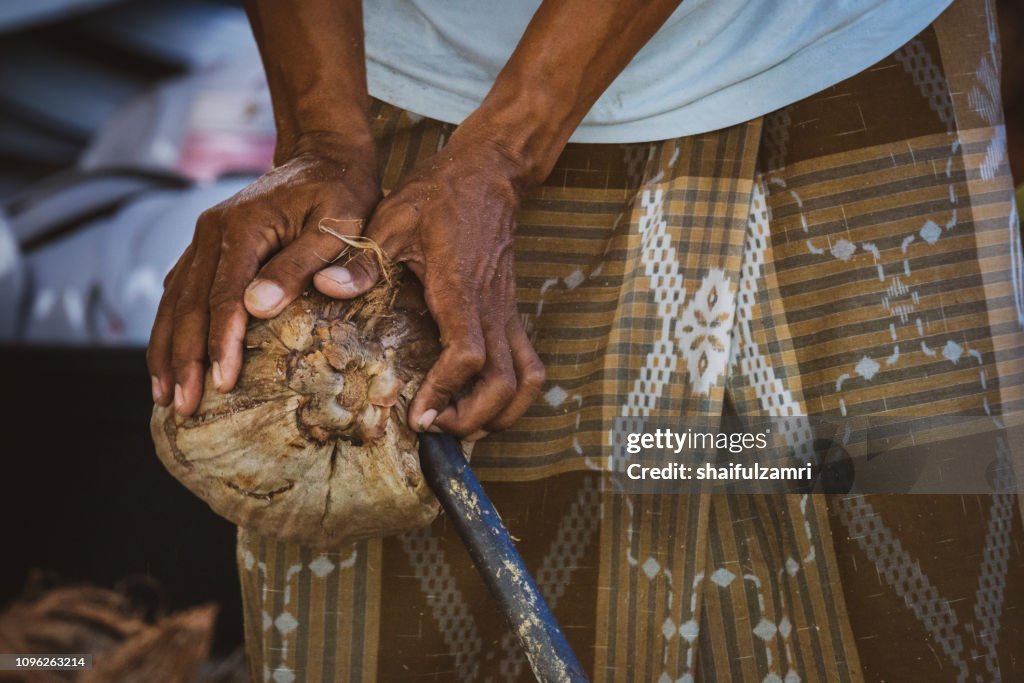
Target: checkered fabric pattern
<point x="856" y="253"/>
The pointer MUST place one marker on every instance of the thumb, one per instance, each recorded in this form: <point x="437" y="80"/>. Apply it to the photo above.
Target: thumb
<point x="356" y="277"/>
<point x="289" y="272"/>
<point x="384" y="239"/>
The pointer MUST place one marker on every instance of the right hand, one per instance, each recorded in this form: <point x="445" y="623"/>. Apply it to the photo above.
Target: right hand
<point x="450" y="220"/>
<point x="225" y="275"/>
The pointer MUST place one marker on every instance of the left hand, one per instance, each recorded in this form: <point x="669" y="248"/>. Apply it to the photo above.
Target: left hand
<point x="253" y="254"/>
<point x="451" y="221"/>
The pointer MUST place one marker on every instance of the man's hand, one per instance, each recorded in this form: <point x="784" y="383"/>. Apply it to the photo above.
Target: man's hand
<point x="450" y="221"/>
<point x="254" y="254"/>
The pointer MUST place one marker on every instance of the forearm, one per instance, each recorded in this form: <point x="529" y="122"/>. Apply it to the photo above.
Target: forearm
<point x="569" y="54"/>
<point x="315" y="64"/>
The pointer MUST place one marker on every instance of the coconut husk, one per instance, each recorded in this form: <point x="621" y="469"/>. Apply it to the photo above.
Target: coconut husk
<point x="170" y="651"/>
<point x="312" y="445"/>
<point x="114" y="628"/>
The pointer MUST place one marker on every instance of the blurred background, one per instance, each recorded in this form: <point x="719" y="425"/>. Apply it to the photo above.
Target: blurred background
<point x="120" y="121"/>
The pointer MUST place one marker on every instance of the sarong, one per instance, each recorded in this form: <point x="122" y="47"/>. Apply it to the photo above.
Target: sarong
<point x="855" y="253"/>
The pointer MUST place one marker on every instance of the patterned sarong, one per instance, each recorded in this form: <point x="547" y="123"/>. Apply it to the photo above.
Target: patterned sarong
<point x="855" y="253"/>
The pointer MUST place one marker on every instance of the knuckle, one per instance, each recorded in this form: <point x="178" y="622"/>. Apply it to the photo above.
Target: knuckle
<point x="169" y="277"/>
<point x="224" y="302"/>
<point x="470" y="355"/>
<point x="231" y="238"/>
<point x="394" y="211"/>
<point x="160" y="330"/>
<point x="158" y="349"/>
<point x="216" y="344"/>
<point x="188" y="290"/>
<point x="287" y="267"/>
<point x="505" y="387"/>
<point x="503" y="421"/>
<point x="163" y="310"/>
<point x="180" y="366"/>
<point x="193" y="294"/>
<point x="186" y="311"/>
<point x="498" y="425"/>
<point x="388" y="206"/>
<point x="363" y="265"/>
<point x="441" y="388"/>
<point x="209" y="220"/>
<point x="237" y="232"/>
<point x="534" y="375"/>
<point x="182" y="262"/>
<point x="184" y="353"/>
<point x="222" y="312"/>
<point x="295" y="262"/>
<point x="154" y="361"/>
<point x="188" y="349"/>
<point x="462" y="431"/>
<point x="459" y="426"/>
<point x="187" y="340"/>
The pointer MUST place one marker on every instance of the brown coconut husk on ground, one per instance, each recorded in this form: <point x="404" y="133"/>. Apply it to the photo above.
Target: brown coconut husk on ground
<point x="68" y="620"/>
<point x="312" y="445"/>
<point x="171" y="651"/>
<point x="126" y="646"/>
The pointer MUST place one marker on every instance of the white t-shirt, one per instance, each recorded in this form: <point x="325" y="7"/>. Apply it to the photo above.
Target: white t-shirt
<point x="713" y="64"/>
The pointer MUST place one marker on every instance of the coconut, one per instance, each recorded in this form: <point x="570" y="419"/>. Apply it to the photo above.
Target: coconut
<point x="312" y="445"/>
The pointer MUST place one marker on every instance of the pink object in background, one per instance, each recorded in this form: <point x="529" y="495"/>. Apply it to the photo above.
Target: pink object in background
<point x="201" y="126"/>
<point x="206" y="154"/>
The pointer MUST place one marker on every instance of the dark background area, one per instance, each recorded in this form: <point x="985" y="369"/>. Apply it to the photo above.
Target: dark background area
<point x="84" y="497"/>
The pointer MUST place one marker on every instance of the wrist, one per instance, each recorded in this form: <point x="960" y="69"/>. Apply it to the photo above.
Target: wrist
<point x="527" y="126"/>
<point x="330" y="125"/>
<point x="353" y="149"/>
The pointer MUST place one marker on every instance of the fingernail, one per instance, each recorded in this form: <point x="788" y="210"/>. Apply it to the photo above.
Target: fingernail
<point x="338" y="275"/>
<point x="158" y="391"/>
<point x="427" y="418"/>
<point x="218" y="378"/>
<point x="477" y="435"/>
<point x="264" y="295"/>
<point x="179" y="397"/>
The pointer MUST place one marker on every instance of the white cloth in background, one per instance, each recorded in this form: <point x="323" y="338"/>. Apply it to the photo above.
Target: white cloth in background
<point x="713" y="64"/>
